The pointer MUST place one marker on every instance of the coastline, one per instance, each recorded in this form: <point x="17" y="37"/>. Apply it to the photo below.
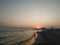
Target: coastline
<point x="30" y="41"/>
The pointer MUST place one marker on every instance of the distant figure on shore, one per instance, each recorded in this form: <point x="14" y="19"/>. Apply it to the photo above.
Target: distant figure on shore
<point x="34" y="34"/>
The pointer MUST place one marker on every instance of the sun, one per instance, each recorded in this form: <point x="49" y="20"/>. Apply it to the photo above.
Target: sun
<point x="37" y="26"/>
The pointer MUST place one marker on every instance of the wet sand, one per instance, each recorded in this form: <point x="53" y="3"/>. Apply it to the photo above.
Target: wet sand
<point x="31" y="41"/>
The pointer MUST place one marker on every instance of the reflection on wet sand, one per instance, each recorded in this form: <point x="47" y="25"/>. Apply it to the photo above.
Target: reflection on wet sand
<point x="31" y="41"/>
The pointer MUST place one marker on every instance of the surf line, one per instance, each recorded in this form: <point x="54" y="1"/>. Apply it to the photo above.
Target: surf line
<point x="33" y="36"/>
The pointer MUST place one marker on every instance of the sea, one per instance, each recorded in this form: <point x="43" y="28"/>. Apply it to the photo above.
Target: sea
<point x="15" y="36"/>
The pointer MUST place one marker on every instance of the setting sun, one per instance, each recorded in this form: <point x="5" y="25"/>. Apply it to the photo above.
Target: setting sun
<point x="38" y="26"/>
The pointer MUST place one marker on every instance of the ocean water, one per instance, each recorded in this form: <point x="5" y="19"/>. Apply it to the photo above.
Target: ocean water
<point x="15" y="37"/>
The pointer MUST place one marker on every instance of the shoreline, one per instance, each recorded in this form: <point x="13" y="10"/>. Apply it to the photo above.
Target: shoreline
<point x="30" y="41"/>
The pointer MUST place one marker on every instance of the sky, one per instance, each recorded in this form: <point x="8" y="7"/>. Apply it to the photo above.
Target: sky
<point x="30" y="13"/>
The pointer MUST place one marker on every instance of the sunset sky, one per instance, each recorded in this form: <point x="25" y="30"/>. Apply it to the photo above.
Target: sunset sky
<point x="30" y="13"/>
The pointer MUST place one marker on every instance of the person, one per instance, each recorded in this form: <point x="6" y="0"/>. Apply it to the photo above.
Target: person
<point x="34" y="34"/>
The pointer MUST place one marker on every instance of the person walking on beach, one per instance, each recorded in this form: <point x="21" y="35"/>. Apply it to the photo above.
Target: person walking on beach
<point x="34" y="34"/>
